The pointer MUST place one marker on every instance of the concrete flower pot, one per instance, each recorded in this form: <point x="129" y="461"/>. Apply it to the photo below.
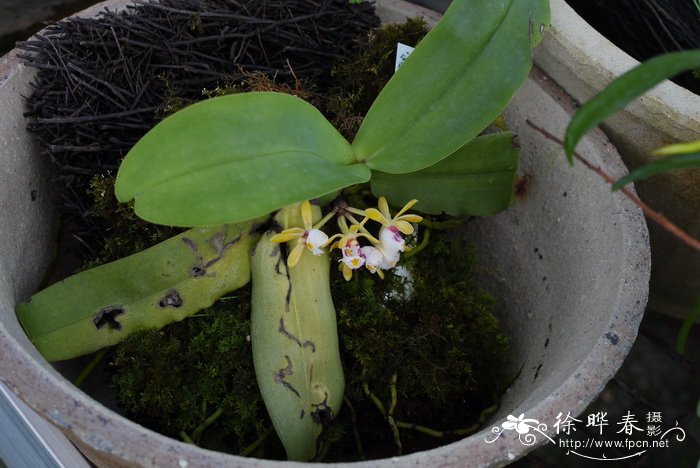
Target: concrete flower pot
<point x="568" y="261"/>
<point x="583" y="62"/>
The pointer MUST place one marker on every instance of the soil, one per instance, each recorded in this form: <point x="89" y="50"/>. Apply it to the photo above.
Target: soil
<point x="646" y="28"/>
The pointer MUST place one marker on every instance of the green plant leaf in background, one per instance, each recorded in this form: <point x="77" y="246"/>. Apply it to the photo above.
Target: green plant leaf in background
<point x="670" y="163"/>
<point x="150" y="289"/>
<point x="475" y="180"/>
<point x="685" y="331"/>
<point x="456" y="82"/>
<point x="235" y="158"/>
<point x="678" y="148"/>
<point x="623" y="90"/>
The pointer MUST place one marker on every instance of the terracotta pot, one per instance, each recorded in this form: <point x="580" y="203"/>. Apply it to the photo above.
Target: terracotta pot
<point x="583" y="62"/>
<point x="568" y="261"/>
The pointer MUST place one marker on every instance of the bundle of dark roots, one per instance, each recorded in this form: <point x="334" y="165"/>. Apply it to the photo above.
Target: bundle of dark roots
<point x="103" y="82"/>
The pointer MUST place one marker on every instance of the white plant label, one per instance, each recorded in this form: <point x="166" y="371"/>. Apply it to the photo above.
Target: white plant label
<point x="402" y="53"/>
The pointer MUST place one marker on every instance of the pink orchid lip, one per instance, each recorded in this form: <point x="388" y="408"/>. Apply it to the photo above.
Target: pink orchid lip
<point x="395" y="231"/>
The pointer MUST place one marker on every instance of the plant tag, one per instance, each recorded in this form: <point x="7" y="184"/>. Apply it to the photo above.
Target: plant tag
<point x="402" y="53"/>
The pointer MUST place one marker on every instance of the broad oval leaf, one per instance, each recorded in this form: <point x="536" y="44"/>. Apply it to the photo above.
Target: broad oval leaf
<point x="160" y="285"/>
<point x="670" y="163"/>
<point x="235" y="158"/>
<point x="456" y="82"/>
<point x="476" y="180"/>
<point x="622" y="90"/>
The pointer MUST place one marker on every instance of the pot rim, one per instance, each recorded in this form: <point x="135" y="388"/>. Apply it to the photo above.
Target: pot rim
<point x="603" y="60"/>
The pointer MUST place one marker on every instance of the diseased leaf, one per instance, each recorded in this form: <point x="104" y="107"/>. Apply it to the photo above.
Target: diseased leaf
<point x="163" y="284"/>
<point x="294" y="337"/>
<point x="235" y="158"/>
<point x="623" y="90"/>
<point x="475" y="180"/>
<point x="456" y="82"/>
<point x="670" y="163"/>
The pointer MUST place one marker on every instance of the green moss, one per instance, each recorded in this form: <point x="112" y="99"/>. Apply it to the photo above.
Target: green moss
<point x="126" y="233"/>
<point x="195" y="24"/>
<point x="173" y="379"/>
<point x="220" y="90"/>
<point x="172" y="102"/>
<point x="441" y="340"/>
<point x="357" y="83"/>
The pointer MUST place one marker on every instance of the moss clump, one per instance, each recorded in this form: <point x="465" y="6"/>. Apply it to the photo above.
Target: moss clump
<point x="125" y="233"/>
<point x="357" y="82"/>
<point x="249" y="81"/>
<point x="433" y="330"/>
<point x="174" y="379"/>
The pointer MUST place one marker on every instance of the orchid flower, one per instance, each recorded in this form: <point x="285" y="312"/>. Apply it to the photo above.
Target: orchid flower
<point x="390" y="235"/>
<point x="376" y="260"/>
<point x="350" y="246"/>
<point x="391" y="241"/>
<point x="399" y="223"/>
<point x="309" y="237"/>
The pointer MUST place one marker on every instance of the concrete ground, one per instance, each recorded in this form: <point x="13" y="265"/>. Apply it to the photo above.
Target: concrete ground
<point x="654" y="378"/>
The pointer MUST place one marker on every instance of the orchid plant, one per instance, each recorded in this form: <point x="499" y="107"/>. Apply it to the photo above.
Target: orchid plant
<point x="251" y="175"/>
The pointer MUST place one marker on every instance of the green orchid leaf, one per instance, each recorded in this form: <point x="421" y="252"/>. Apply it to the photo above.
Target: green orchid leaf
<point x="456" y="82"/>
<point x="670" y="163"/>
<point x="625" y="89"/>
<point x="235" y="158"/>
<point x="475" y="180"/>
<point x="160" y="285"/>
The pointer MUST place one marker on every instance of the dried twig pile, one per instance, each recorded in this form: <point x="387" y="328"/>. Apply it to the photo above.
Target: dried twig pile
<point x="103" y="82"/>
